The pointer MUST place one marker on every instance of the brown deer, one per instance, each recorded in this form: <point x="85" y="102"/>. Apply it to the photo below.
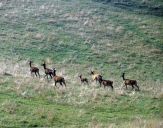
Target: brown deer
<point x="34" y="69"/>
<point x="83" y="80"/>
<point x="58" y="79"/>
<point x="96" y="76"/>
<point x="129" y="82"/>
<point x="106" y="83"/>
<point x="48" y="72"/>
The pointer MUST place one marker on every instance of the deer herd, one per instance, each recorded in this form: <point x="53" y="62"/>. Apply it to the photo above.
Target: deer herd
<point x="95" y="77"/>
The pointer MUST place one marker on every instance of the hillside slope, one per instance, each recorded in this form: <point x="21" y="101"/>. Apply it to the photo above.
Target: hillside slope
<point x="76" y="36"/>
<point x="83" y="33"/>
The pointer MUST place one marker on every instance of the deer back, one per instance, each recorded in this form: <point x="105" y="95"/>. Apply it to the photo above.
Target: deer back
<point x="34" y="69"/>
<point x="130" y="82"/>
<point x="58" y="78"/>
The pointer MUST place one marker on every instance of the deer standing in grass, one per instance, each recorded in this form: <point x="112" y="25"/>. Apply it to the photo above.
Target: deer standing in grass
<point x="83" y="80"/>
<point x="58" y="79"/>
<point x="129" y="82"/>
<point x="34" y="69"/>
<point x="48" y="72"/>
<point x="106" y="83"/>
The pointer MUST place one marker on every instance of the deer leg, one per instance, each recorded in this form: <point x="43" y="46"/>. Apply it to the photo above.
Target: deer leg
<point x="55" y="83"/>
<point x="51" y="76"/>
<point x="36" y="74"/>
<point x="137" y="87"/>
<point x="111" y="87"/>
<point x="64" y="83"/>
<point x="132" y="87"/>
<point x="60" y="83"/>
<point x="126" y="86"/>
<point x="100" y="83"/>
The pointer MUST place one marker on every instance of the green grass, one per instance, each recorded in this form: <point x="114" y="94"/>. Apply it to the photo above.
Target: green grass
<point x="37" y="109"/>
<point x="68" y="37"/>
<point x="75" y="37"/>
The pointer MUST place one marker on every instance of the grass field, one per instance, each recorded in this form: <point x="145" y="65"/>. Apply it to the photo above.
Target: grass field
<point x="75" y="37"/>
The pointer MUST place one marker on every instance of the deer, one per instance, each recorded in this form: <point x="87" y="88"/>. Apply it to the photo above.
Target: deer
<point x="83" y="80"/>
<point x="129" y="82"/>
<point x="58" y="79"/>
<point x="34" y="69"/>
<point x="48" y="72"/>
<point x="96" y="76"/>
<point x="106" y="83"/>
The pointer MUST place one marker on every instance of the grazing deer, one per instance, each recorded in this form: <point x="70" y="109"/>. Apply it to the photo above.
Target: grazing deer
<point x="58" y="79"/>
<point x="96" y="76"/>
<point x="83" y="80"/>
<point x="106" y="83"/>
<point x="34" y="69"/>
<point x="132" y="83"/>
<point x="47" y="71"/>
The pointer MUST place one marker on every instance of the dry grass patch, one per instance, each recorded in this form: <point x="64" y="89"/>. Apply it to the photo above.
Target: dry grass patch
<point x="9" y="106"/>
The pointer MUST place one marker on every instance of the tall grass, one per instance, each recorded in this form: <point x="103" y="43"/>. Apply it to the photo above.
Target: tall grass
<point x="94" y="106"/>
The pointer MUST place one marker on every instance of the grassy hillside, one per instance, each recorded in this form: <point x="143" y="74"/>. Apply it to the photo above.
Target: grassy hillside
<point x="77" y="36"/>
